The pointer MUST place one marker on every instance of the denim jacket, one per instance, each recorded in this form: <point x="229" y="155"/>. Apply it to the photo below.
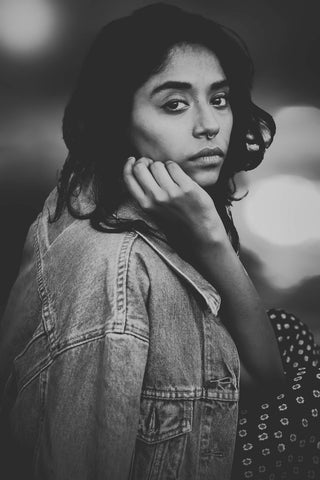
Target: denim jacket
<point x="115" y="362"/>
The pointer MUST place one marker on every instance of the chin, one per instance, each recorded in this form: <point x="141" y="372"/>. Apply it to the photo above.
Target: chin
<point x="206" y="179"/>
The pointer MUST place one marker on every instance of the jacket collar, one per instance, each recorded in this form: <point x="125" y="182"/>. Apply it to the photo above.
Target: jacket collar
<point x="157" y="240"/>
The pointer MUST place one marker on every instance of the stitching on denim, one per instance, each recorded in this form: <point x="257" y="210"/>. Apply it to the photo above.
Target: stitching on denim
<point x="191" y="393"/>
<point x="69" y="347"/>
<point x="31" y="341"/>
<point x="42" y="290"/>
<point x="210" y="301"/>
<point x="122" y="274"/>
<point x="43" y="382"/>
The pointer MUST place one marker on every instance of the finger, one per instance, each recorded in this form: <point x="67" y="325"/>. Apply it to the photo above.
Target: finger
<point x="146" y="180"/>
<point x="163" y="177"/>
<point x="131" y="183"/>
<point x="178" y="175"/>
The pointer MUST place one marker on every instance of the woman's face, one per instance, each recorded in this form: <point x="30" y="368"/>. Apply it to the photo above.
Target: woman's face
<point x="183" y="114"/>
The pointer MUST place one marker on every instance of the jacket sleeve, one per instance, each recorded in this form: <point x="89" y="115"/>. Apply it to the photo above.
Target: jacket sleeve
<point x="92" y="396"/>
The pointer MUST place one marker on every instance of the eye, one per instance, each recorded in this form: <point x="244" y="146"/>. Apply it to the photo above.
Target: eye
<point x="220" y="101"/>
<point x="174" y="106"/>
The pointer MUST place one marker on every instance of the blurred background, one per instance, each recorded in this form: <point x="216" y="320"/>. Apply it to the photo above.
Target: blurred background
<point x="42" y="44"/>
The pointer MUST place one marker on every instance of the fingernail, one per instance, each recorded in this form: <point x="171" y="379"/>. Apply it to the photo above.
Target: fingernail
<point x="131" y="159"/>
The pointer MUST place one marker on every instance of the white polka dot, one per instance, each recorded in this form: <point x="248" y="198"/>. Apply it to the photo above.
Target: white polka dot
<point x="296" y="386"/>
<point x="284" y="421"/>
<point x="248" y="474"/>
<point x="301" y="342"/>
<point x="281" y="447"/>
<point x="314" y="412"/>
<point x="263" y="436"/>
<point x="300" y="399"/>
<point x="266" y="451"/>
<point x="247" y="446"/>
<point x="262" y="426"/>
<point x="283" y="315"/>
<point x="316" y="393"/>
<point x="242" y="433"/>
<point x="306" y="358"/>
<point x="304" y="422"/>
<point x="278" y="434"/>
<point x="263" y="417"/>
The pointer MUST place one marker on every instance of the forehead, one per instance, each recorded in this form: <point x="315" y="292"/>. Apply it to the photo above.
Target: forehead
<point x="189" y="63"/>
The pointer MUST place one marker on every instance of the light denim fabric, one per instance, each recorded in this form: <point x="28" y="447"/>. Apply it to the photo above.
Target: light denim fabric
<point x="115" y="363"/>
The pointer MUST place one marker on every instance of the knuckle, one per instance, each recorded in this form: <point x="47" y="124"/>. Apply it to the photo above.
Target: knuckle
<point x="156" y="165"/>
<point x="146" y="204"/>
<point x="161" y="198"/>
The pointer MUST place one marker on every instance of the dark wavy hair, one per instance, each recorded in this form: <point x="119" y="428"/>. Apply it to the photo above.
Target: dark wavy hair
<point x="125" y="53"/>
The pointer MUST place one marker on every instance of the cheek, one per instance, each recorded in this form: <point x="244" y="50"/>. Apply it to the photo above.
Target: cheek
<point x="155" y="138"/>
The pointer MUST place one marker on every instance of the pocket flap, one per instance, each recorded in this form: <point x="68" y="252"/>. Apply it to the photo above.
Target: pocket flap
<point x="164" y="419"/>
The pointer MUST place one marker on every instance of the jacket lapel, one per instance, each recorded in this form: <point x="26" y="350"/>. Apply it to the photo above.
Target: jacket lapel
<point x="158" y="242"/>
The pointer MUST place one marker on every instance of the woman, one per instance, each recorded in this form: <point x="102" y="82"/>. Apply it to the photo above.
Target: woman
<point x="132" y="315"/>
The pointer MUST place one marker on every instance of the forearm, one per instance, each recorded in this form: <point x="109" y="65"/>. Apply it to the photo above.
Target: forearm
<point x="242" y="311"/>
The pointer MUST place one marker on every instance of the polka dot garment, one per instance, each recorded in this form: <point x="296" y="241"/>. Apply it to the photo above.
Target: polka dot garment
<point x="280" y="438"/>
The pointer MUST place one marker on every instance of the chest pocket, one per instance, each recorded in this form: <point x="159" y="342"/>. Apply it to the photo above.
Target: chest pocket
<point x="161" y="440"/>
<point x="164" y="419"/>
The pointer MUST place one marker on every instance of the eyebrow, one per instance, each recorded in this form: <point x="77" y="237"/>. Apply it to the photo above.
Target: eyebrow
<point x="169" y="85"/>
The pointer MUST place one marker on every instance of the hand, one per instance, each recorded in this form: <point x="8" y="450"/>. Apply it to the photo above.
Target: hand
<point x="166" y="190"/>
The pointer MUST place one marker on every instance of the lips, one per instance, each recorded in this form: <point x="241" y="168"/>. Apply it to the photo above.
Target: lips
<point x="208" y="152"/>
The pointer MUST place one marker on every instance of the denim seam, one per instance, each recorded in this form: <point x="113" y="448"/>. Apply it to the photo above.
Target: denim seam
<point x="214" y="302"/>
<point x="122" y="274"/>
<point x="42" y="289"/>
<point x="191" y="394"/>
<point x="60" y="352"/>
<point x="43" y="395"/>
<point x="29" y="344"/>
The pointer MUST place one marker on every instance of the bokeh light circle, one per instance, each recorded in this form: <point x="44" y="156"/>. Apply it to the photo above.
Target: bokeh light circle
<point x="284" y="210"/>
<point x="28" y="26"/>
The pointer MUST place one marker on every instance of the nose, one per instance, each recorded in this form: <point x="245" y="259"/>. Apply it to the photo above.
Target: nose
<point x="206" y="123"/>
